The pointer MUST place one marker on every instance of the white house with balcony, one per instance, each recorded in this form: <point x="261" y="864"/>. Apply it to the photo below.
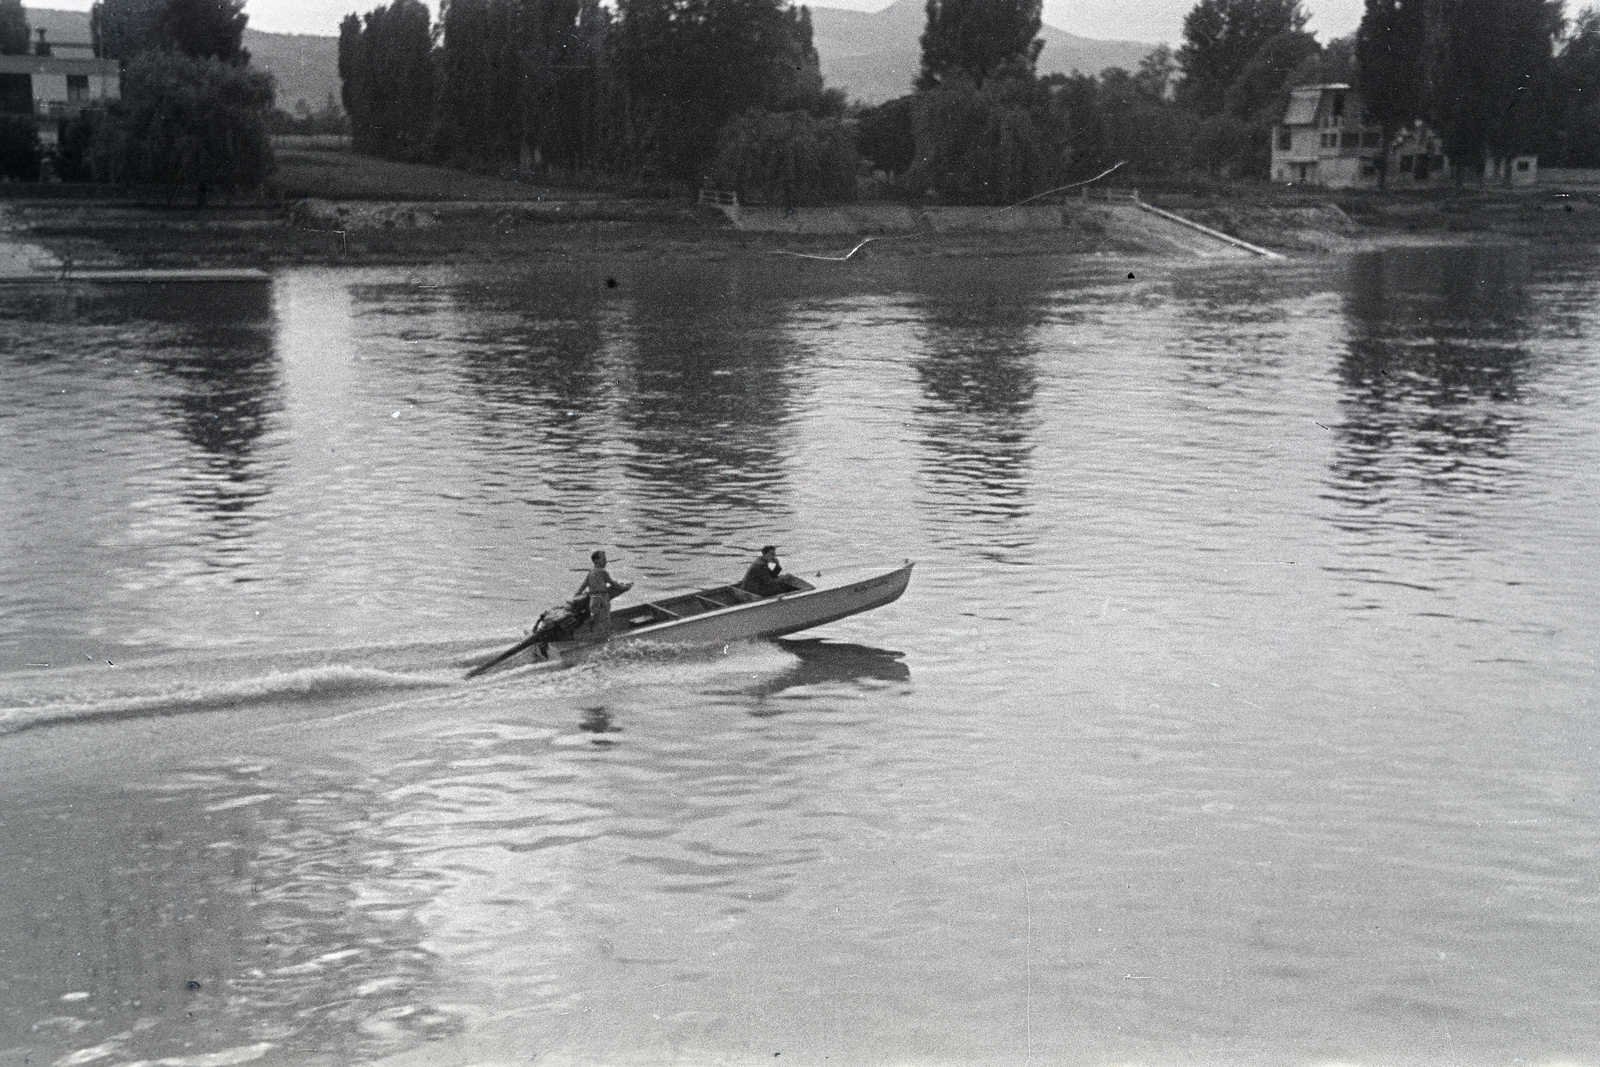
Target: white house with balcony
<point x="1325" y="139"/>
<point x="55" y="84"/>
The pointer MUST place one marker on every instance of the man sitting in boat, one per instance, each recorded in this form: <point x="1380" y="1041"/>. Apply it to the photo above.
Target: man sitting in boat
<point x="599" y="587"/>
<point x="762" y="576"/>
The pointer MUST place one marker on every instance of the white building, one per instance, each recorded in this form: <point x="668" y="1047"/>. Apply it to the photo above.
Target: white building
<point x="1324" y="140"/>
<point x="55" y="84"/>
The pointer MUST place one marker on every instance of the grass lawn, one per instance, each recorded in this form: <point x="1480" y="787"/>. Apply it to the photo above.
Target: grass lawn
<point x="337" y="175"/>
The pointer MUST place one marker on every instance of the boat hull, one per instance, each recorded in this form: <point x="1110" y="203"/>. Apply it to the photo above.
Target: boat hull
<point x="777" y="616"/>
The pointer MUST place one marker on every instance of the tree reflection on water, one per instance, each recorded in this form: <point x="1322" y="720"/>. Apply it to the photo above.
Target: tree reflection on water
<point x="1431" y="374"/>
<point x="978" y="370"/>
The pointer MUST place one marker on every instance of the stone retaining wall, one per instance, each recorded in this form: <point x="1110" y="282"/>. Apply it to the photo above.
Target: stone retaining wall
<point x="897" y="218"/>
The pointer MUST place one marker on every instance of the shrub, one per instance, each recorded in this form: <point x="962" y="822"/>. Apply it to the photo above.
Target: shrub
<point x="20" y="155"/>
<point x="787" y="157"/>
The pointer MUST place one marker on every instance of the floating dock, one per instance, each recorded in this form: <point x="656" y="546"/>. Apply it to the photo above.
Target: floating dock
<point x="59" y="276"/>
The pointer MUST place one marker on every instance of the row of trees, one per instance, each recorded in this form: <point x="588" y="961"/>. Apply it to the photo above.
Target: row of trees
<point x="1494" y="78"/>
<point x="678" y="90"/>
<point x="728" y="93"/>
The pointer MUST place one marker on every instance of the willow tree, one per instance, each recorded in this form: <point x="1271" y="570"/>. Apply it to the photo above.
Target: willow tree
<point x="187" y="122"/>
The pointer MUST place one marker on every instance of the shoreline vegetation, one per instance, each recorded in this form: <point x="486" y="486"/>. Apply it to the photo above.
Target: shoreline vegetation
<point x="337" y="208"/>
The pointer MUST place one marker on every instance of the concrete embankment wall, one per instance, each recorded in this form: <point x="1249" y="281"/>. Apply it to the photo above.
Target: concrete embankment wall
<point x="897" y="218"/>
<point x="1122" y="219"/>
<point x="1584" y="178"/>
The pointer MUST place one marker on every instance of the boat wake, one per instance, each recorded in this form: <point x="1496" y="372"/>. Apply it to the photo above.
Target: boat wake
<point x="650" y="663"/>
<point x="26" y="708"/>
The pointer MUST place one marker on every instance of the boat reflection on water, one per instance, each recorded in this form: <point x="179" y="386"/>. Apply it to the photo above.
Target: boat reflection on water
<point x="823" y="661"/>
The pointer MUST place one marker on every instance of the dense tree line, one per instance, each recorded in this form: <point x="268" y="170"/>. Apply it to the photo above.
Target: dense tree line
<point x="728" y="93"/>
<point x="982" y="126"/>
<point x="666" y="90"/>
<point x="1483" y="74"/>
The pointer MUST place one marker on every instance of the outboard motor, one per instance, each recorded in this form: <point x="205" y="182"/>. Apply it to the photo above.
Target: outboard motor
<point x="560" y="623"/>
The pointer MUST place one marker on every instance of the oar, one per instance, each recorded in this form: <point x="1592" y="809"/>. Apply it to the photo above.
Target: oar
<point x="502" y="657"/>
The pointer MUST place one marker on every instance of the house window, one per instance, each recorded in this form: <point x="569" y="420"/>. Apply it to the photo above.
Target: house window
<point x="1330" y="140"/>
<point x="1338" y="106"/>
<point x="1522" y="164"/>
<point x="1350" y="139"/>
<point x="77" y="87"/>
<point x="1369" y="139"/>
<point x="16" y="94"/>
<point x="1406" y="162"/>
<point x="1285" y="139"/>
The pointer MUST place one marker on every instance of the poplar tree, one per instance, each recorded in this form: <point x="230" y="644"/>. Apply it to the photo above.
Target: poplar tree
<point x="979" y="39"/>
<point x="1221" y="37"/>
<point x="518" y="81"/>
<point x="386" y="76"/>
<point x="560" y="50"/>
<point x="1487" y="75"/>
<point x="1389" y="45"/>
<point x="1573" y="139"/>
<point x="685" y="67"/>
<point x="13" y="28"/>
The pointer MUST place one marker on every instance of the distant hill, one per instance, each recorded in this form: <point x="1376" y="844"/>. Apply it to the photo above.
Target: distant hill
<point x="306" y="67"/>
<point x="875" y="55"/>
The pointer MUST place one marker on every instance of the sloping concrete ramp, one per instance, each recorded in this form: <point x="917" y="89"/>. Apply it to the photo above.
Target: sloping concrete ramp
<point x="1128" y="221"/>
<point x="1132" y="220"/>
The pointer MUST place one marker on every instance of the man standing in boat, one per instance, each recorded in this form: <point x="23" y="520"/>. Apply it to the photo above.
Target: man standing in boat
<point x="599" y="587"/>
<point x="762" y="576"/>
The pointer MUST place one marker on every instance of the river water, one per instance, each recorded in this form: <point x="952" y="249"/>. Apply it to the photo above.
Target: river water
<point x="1242" y="708"/>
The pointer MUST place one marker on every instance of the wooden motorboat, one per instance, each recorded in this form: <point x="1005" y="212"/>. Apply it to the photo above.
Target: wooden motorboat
<point x="719" y="615"/>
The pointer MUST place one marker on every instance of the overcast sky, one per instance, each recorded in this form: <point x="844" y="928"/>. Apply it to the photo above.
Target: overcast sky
<point x="1152" y="21"/>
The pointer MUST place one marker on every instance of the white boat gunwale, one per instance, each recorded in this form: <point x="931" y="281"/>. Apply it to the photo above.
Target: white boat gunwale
<point x="859" y="586"/>
<point x="657" y="620"/>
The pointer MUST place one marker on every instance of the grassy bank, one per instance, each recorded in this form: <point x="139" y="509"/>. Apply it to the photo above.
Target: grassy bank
<point x="335" y="207"/>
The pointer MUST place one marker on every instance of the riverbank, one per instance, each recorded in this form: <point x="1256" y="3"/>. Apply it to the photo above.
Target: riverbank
<point x="342" y="209"/>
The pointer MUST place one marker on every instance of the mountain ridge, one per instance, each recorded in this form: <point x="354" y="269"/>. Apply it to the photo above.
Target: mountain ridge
<point x="875" y="55"/>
